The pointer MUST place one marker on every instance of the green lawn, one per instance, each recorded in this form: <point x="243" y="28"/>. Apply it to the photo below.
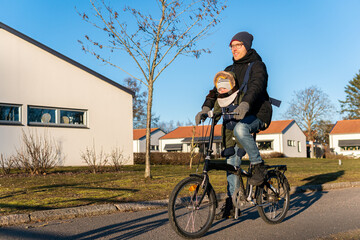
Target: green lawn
<point x="69" y="187"/>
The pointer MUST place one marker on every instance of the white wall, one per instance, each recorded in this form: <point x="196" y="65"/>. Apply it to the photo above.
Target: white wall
<point x="163" y="142"/>
<point x="32" y="76"/>
<point x="276" y="138"/>
<point x="334" y="143"/>
<point x="294" y="133"/>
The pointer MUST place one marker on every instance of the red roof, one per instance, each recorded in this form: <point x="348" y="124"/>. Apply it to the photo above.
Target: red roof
<point x="346" y="126"/>
<point x="277" y="127"/>
<point x="139" y="133"/>
<point x="187" y="131"/>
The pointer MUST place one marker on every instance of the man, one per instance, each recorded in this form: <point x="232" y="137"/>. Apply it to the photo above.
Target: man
<point x="253" y="112"/>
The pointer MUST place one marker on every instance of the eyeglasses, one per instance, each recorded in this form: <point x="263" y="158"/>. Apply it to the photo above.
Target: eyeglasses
<point x="236" y="46"/>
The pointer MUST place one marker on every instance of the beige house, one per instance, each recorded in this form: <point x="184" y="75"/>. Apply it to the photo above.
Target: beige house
<point x="43" y="91"/>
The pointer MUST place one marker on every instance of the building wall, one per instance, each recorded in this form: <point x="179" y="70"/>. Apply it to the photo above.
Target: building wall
<point x="140" y="144"/>
<point x="334" y="143"/>
<point x="276" y="140"/>
<point x="298" y="149"/>
<point x="32" y="76"/>
<point x="163" y="142"/>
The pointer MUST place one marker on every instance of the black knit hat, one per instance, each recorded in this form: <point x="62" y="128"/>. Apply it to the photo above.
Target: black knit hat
<point x="244" y="37"/>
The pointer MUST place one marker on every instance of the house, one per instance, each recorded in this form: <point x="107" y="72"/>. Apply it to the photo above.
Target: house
<point x="179" y="140"/>
<point x="283" y="136"/>
<point x="344" y="138"/>
<point x="139" y="139"/>
<point x="45" y="92"/>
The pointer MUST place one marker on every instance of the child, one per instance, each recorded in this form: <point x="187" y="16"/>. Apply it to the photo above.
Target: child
<point x="228" y="99"/>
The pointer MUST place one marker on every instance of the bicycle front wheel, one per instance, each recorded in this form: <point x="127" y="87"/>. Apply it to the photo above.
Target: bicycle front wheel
<point x="273" y="198"/>
<point x="187" y="216"/>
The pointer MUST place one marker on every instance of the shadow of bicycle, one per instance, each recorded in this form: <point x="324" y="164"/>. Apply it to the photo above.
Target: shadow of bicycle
<point x="307" y="194"/>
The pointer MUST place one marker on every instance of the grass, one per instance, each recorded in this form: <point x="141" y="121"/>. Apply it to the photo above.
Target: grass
<point x="71" y="186"/>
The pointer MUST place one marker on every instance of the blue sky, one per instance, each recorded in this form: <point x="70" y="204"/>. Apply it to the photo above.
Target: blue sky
<point x="303" y="43"/>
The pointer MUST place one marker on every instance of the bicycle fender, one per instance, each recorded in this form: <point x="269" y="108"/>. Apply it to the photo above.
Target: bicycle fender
<point x="209" y="187"/>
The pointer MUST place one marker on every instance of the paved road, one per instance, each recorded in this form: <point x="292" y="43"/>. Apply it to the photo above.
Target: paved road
<point x="311" y="215"/>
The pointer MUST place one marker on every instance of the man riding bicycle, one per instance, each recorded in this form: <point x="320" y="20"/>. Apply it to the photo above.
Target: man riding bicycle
<point x="253" y="112"/>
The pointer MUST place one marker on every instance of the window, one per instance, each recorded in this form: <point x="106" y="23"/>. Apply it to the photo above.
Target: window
<point x="41" y="115"/>
<point x="299" y="146"/>
<point x="72" y="117"/>
<point x="10" y="113"/>
<point x="265" y="145"/>
<point x="154" y="147"/>
<point x="56" y="117"/>
<point x="291" y="143"/>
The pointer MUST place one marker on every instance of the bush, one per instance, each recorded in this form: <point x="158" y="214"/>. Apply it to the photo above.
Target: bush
<point x="168" y="158"/>
<point x="6" y="164"/>
<point x="37" y="153"/>
<point x="272" y="155"/>
<point x="117" y="158"/>
<point x="96" y="162"/>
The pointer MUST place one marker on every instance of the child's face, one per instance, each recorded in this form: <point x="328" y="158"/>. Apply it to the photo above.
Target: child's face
<point x="223" y="90"/>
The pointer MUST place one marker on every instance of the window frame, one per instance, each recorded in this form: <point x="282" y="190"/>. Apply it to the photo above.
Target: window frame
<point x="267" y="141"/>
<point x="58" y="122"/>
<point x="6" y="122"/>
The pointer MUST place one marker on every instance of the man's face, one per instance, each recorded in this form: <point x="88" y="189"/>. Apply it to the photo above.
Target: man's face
<point x="238" y="50"/>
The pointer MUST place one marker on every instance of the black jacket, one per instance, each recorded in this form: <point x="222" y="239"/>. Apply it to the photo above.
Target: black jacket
<point x="256" y="94"/>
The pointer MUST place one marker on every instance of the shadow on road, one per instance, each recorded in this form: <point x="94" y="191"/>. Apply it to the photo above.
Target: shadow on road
<point x="302" y="200"/>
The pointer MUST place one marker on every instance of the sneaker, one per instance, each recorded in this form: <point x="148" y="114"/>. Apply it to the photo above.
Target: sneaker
<point x="258" y="174"/>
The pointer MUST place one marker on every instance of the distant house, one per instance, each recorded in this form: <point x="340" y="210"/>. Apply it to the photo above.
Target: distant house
<point x="282" y="136"/>
<point x="344" y="138"/>
<point x="45" y="92"/>
<point x="179" y="140"/>
<point x="139" y="141"/>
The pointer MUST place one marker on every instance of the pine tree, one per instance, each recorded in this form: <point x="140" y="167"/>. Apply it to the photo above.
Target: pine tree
<point x="351" y="106"/>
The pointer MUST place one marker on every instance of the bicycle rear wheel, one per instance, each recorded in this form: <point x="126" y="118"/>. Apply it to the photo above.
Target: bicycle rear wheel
<point x="273" y="198"/>
<point x="186" y="216"/>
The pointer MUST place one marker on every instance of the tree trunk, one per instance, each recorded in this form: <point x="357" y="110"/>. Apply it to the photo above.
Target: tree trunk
<point x="148" y="130"/>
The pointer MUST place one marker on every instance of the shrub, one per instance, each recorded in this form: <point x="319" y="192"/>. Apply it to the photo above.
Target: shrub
<point x="117" y="158"/>
<point x="94" y="161"/>
<point x="6" y="164"/>
<point x="37" y="153"/>
<point x="272" y="155"/>
<point x="168" y="158"/>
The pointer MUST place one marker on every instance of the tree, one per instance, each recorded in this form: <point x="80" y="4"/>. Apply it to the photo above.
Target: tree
<point x="351" y="105"/>
<point x="323" y="129"/>
<point x="139" y="103"/>
<point x="155" y="42"/>
<point x="308" y="108"/>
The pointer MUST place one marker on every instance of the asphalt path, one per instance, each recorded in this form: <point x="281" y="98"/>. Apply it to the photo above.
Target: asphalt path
<point x="311" y="215"/>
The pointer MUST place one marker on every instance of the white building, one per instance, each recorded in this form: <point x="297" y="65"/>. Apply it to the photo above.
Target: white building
<point x="43" y="91"/>
<point x="344" y="138"/>
<point x="283" y="136"/>
<point x="139" y="139"/>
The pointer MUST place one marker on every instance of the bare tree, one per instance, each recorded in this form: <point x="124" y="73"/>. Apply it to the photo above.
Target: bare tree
<point x="308" y="108"/>
<point x="155" y="42"/>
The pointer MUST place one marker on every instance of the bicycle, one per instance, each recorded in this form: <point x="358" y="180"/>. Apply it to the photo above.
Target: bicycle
<point x="193" y="202"/>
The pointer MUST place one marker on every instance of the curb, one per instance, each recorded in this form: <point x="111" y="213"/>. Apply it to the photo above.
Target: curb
<point x="86" y="211"/>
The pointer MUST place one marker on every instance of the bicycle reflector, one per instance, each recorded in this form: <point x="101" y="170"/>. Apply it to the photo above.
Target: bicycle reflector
<point x="192" y="188"/>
